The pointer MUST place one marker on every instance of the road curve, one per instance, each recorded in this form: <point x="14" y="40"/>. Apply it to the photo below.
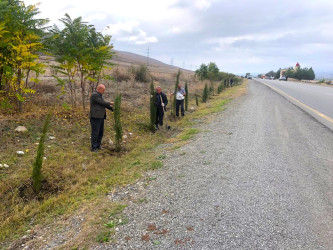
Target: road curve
<point x="316" y="100"/>
<point x="260" y="176"/>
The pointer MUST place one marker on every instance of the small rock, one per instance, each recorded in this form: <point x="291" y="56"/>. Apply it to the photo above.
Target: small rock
<point x="110" y="142"/>
<point x="124" y="137"/>
<point x="37" y="143"/>
<point x="51" y="137"/>
<point x="44" y="158"/>
<point x="48" y="146"/>
<point x="5" y="165"/>
<point x="130" y="133"/>
<point x="20" y="152"/>
<point x="117" y="229"/>
<point x="1" y="165"/>
<point x="192" y="109"/>
<point x="21" y="129"/>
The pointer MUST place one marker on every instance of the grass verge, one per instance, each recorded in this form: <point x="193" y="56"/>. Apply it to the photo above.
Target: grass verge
<point x="77" y="178"/>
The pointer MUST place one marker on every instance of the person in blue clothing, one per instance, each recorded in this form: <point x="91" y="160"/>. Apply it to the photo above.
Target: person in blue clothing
<point x="180" y="96"/>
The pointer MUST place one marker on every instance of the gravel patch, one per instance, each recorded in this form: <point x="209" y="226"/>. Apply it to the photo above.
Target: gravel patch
<point x="259" y="176"/>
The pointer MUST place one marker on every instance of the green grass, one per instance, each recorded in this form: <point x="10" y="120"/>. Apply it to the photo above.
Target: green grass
<point x="188" y="134"/>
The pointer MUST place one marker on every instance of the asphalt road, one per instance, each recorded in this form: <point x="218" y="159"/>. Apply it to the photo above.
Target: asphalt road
<point x="260" y="176"/>
<point x="320" y="98"/>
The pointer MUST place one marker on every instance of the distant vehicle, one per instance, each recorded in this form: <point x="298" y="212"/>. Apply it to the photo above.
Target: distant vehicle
<point x="272" y="78"/>
<point x="249" y="77"/>
<point x="283" y="78"/>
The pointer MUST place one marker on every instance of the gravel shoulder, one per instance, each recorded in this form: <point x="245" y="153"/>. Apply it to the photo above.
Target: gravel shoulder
<point x="259" y="176"/>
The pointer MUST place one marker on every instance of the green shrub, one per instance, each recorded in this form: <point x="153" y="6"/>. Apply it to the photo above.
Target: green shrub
<point x="186" y="97"/>
<point x="117" y="123"/>
<point x="205" y="94"/>
<point x="37" y="166"/>
<point x="141" y="74"/>
<point x="153" y="108"/>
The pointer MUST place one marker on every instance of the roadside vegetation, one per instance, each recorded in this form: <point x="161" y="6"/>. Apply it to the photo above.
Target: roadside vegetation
<point x="48" y="172"/>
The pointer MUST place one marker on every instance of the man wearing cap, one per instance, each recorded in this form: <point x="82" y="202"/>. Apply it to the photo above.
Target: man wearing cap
<point x="97" y="116"/>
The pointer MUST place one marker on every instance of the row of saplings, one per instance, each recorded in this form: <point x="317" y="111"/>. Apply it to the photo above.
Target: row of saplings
<point x="207" y="92"/>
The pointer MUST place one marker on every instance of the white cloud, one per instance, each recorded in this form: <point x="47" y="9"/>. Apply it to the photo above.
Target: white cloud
<point x="203" y="4"/>
<point x="129" y="32"/>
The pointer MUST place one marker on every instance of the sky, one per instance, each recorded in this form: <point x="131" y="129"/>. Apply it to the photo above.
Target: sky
<point x="240" y="36"/>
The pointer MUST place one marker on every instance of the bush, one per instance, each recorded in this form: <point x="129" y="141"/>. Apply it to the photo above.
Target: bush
<point x="117" y="123"/>
<point x="120" y="76"/>
<point x="175" y="93"/>
<point x="186" y="97"/>
<point x="140" y="74"/>
<point x="153" y="108"/>
<point x="37" y="167"/>
<point x="205" y="93"/>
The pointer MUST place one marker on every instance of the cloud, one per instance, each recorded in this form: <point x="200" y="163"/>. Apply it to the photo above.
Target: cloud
<point x="238" y="35"/>
<point x="129" y="32"/>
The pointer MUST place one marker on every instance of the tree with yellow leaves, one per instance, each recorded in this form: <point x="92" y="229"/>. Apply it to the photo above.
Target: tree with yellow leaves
<point x="21" y="33"/>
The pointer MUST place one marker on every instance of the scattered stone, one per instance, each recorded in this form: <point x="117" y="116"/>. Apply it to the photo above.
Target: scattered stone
<point x="5" y="165"/>
<point x="1" y="165"/>
<point x="110" y="142"/>
<point x="151" y="227"/>
<point x="44" y="158"/>
<point x="130" y="133"/>
<point x="145" y="237"/>
<point x="51" y="137"/>
<point x="128" y="238"/>
<point x="20" y="152"/>
<point x="21" y="129"/>
<point x="192" y="109"/>
<point x="124" y="137"/>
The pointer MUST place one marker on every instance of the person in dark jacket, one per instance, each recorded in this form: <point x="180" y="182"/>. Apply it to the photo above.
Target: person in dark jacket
<point x="97" y="116"/>
<point x="161" y="101"/>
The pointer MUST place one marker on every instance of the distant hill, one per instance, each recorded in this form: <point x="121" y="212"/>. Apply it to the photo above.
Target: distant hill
<point x="127" y="59"/>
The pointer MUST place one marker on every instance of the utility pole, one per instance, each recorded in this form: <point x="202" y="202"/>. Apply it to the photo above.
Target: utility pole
<point x="171" y="61"/>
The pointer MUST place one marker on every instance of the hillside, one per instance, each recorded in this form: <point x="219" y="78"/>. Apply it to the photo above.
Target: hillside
<point x="126" y="59"/>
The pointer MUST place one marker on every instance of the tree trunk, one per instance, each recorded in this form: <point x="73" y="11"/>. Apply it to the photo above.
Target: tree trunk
<point x="19" y="76"/>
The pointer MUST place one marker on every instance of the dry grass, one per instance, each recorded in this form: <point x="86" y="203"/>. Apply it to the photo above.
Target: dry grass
<point x="77" y="178"/>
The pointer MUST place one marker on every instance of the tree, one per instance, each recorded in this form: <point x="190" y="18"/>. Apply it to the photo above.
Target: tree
<point x="186" y="96"/>
<point x="20" y="44"/>
<point x="175" y="93"/>
<point x="311" y="74"/>
<point x="37" y="166"/>
<point x="270" y="73"/>
<point x="213" y="71"/>
<point x="202" y="72"/>
<point x="211" y="89"/>
<point x="277" y="74"/>
<point x="205" y="93"/>
<point x="153" y="108"/>
<point x="81" y="53"/>
<point x="117" y="123"/>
